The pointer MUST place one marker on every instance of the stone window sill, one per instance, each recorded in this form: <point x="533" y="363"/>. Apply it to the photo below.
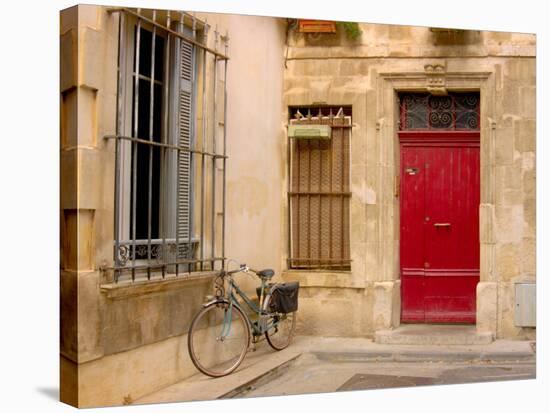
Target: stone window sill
<point x="322" y="279"/>
<point x="128" y="289"/>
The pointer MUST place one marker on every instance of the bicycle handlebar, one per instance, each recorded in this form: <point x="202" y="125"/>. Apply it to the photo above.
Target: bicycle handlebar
<point x="242" y="268"/>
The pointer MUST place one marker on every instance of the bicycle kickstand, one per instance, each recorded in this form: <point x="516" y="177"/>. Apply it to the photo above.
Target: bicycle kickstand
<point x="253" y="346"/>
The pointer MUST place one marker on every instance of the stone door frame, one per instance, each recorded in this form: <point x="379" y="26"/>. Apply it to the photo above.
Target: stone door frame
<point x="386" y="279"/>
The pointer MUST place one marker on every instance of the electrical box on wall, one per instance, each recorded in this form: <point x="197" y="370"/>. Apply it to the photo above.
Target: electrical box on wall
<point x="526" y="305"/>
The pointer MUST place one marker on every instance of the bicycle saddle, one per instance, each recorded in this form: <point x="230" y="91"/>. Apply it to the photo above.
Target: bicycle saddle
<point x="267" y="273"/>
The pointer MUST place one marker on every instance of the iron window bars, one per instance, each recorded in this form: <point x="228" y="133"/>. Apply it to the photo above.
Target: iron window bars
<point x="456" y="111"/>
<point x="319" y="192"/>
<point x="163" y="130"/>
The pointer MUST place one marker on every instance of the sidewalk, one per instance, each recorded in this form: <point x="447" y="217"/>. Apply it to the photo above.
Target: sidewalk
<point x="264" y="364"/>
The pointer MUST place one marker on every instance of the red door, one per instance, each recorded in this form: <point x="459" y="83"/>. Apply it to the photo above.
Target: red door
<point x="439" y="226"/>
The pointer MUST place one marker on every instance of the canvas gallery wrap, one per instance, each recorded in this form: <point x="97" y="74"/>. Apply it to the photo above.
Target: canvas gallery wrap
<point x="259" y="206"/>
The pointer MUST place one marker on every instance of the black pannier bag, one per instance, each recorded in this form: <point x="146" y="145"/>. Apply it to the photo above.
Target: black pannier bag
<point x="285" y="297"/>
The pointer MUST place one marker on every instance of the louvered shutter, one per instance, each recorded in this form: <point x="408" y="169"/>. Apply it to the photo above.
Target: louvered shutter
<point x="185" y="140"/>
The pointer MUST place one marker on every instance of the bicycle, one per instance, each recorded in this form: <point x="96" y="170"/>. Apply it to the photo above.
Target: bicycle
<point x="220" y="333"/>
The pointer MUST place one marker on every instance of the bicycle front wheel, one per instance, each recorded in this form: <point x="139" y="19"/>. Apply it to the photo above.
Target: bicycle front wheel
<point x="280" y="334"/>
<point x="218" y="339"/>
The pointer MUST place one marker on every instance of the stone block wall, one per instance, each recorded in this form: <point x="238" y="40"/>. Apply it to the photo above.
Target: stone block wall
<point x="367" y="73"/>
<point x="88" y="95"/>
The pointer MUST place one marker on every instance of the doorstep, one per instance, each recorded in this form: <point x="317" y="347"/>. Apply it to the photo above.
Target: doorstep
<point x="433" y="334"/>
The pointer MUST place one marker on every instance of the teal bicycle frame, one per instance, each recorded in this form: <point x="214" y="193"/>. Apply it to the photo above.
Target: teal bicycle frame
<point x="259" y="326"/>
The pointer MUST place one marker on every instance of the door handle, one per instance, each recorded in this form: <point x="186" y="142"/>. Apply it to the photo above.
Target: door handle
<point x="442" y="224"/>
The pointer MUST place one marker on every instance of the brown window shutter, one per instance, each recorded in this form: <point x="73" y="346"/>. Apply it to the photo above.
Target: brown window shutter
<point x="320" y="196"/>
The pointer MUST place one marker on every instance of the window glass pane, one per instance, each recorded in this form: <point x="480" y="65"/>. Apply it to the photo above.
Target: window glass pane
<point x="159" y="58"/>
<point x="143" y="109"/>
<point x="143" y="170"/>
<point x="145" y="52"/>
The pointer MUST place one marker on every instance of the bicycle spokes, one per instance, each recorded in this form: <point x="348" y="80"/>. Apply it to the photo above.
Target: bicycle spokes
<point x="218" y="339"/>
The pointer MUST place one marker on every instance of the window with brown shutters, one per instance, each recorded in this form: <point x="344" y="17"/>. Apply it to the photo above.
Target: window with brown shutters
<point x="319" y="190"/>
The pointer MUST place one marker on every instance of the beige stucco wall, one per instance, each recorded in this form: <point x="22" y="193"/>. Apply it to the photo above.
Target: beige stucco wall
<point x="367" y="73"/>
<point x="121" y="342"/>
<point x="255" y="169"/>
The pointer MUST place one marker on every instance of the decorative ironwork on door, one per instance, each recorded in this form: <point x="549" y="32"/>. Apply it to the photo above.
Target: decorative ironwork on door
<point x="422" y="111"/>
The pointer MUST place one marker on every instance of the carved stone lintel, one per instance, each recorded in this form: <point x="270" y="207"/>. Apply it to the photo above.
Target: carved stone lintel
<point x="435" y="79"/>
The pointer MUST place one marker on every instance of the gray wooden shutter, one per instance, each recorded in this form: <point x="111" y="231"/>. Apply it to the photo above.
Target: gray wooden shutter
<point x="185" y="140"/>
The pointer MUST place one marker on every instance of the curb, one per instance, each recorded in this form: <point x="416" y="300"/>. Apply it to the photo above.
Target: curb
<point x="415" y="356"/>
<point x="261" y="379"/>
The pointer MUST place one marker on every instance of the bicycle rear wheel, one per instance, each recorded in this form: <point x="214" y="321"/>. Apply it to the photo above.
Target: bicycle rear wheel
<point x="280" y="335"/>
<point x="218" y="339"/>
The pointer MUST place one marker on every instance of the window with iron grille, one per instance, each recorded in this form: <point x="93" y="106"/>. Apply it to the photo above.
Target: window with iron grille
<point x="319" y="191"/>
<point x="456" y="111"/>
<point x="161" y="55"/>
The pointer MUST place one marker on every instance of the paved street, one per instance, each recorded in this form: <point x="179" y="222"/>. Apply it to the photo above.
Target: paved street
<point x="310" y="374"/>
<point x="327" y="364"/>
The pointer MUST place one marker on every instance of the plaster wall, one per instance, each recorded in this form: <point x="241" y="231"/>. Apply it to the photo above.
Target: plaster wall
<point x="120" y="342"/>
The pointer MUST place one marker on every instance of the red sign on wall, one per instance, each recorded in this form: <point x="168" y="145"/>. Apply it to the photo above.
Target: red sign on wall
<point x="316" y="26"/>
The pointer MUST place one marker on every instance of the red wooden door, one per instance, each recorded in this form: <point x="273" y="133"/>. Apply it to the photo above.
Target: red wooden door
<point x="439" y="226"/>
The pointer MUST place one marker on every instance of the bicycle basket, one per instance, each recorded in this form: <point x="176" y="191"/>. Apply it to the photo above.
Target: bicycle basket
<point x="285" y="297"/>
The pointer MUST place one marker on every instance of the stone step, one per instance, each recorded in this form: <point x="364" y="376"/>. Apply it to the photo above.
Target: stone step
<point x="433" y="334"/>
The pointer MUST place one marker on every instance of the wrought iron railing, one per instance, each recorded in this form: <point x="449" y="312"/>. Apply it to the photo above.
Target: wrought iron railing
<point x="160" y="200"/>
